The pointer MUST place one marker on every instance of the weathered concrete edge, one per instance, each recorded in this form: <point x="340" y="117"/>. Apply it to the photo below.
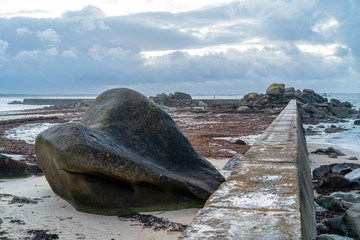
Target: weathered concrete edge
<point x="276" y="170"/>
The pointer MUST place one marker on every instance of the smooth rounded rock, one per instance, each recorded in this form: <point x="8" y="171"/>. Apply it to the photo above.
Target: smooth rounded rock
<point x="125" y="155"/>
<point x="11" y="168"/>
<point x="276" y="90"/>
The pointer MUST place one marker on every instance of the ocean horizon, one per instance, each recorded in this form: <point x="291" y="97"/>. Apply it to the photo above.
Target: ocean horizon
<point x="347" y="139"/>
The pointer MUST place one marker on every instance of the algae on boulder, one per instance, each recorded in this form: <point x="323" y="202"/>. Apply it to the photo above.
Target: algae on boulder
<point x="125" y="155"/>
<point x="276" y="90"/>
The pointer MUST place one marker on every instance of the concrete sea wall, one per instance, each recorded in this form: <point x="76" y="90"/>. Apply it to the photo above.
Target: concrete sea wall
<point x="50" y="101"/>
<point x="269" y="194"/>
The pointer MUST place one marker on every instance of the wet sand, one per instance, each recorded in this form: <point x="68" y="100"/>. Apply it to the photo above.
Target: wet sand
<point x="209" y="130"/>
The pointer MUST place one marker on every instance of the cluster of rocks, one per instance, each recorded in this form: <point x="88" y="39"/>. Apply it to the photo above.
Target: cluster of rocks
<point x="330" y="151"/>
<point x="125" y="155"/>
<point x="313" y="107"/>
<point x="166" y="100"/>
<point x="343" y="206"/>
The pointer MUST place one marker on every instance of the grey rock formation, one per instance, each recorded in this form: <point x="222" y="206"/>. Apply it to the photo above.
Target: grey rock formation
<point x="12" y="168"/>
<point x="181" y="95"/>
<point x="332" y="237"/>
<point x="340" y="167"/>
<point x="125" y="155"/>
<point x="313" y="108"/>
<point x="351" y="222"/>
<point x="276" y="90"/>
<point x="231" y="164"/>
<point x="335" y="182"/>
<point x="321" y="171"/>
<point x="353" y="176"/>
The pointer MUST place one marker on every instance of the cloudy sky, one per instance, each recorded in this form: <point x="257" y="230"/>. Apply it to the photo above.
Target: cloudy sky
<point x="206" y="47"/>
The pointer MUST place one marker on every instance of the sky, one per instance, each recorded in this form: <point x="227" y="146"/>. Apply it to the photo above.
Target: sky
<point x="199" y="47"/>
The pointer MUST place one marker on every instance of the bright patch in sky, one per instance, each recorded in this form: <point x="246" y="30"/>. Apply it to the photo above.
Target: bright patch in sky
<point x="49" y="9"/>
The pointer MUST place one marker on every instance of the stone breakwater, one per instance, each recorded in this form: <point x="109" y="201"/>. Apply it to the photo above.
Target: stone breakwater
<point x="269" y="193"/>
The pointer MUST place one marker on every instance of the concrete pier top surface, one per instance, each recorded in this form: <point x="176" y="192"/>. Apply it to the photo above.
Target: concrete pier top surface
<point x="268" y="195"/>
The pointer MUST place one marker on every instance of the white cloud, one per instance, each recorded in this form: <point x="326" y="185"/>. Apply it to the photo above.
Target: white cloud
<point x="70" y="53"/>
<point x="52" y="52"/>
<point x="88" y="19"/>
<point x="99" y="52"/>
<point x="28" y="55"/>
<point x="325" y="27"/>
<point x="48" y="35"/>
<point x="3" y="46"/>
<point x="22" y="31"/>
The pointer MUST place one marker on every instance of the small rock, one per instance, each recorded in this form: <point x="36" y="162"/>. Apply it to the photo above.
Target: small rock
<point x="347" y="196"/>
<point x="333" y="204"/>
<point x="333" y="155"/>
<point x="323" y="228"/>
<point x="290" y="89"/>
<point x="332" y="237"/>
<point x="12" y="168"/>
<point x="238" y="141"/>
<point x="335" y="102"/>
<point x="357" y="122"/>
<point x="201" y="103"/>
<point x="333" y="150"/>
<point x="244" y="109"/>
<point x="231" y="164"/>
<point x="353" y="176"/>
<point x="309" y="91"/>
<point x="181" y="95"/>
<point x="335" y="223"/>
<point x="339" y="167"/>
<point x="321" y="171"/>
<point x="351" y="222"/>
<point x="335" y="182"/>
<point x="270" y="111"/>
<point x="352" y="158"/>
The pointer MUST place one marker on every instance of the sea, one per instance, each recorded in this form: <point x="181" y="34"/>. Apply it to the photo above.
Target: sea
<point x="349" y="139"/>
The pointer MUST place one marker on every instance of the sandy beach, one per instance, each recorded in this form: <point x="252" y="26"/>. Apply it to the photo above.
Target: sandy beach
<point x="210" y="132"/>
<point x="318" y="160"/>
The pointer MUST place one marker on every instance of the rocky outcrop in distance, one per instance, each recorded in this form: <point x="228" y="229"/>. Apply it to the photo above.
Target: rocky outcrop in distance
<point x="313" y="108"/>
<point x="125" y="155"/>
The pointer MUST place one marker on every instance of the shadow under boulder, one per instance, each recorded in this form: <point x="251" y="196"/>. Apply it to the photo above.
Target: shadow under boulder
<point x="126" y="155"/>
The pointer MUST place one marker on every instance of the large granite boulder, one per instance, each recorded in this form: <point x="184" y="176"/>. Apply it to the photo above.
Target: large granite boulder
<point x="10" y="168"/>
<point x="276" y="90"/>
<point x="125" y="155"/>
<point x="181" y="95"/>
<point x="161" y="99"/>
